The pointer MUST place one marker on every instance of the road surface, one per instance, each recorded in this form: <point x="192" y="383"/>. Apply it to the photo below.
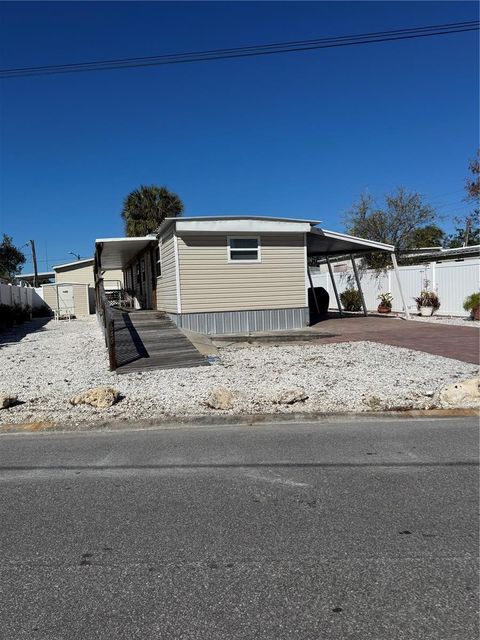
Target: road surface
<point x="340" y="530"/>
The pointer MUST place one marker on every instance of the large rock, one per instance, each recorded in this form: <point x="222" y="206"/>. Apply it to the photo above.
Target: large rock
<point x="461" y="394"/>
<point x="100" y="397"/>
<point x="291" y="396"/>
<point x="7" y="401"/>
<point x="220" y="398"/>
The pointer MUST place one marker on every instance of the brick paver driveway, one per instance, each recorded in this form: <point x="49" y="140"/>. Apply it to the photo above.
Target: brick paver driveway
<point x="461" y="343"/>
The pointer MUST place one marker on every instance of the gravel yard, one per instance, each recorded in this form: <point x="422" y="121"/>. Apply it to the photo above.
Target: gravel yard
<point x="459" y="322"/>
<point x="47" y="367"/>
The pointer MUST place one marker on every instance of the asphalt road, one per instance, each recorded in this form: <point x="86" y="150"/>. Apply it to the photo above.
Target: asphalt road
<point x="358" y="530"/>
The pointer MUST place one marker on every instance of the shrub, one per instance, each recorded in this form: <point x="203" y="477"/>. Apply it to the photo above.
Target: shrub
<point x="427" y="299"/>
<point x="20" y="314"/>
<point x="351" y="299"/>
<point x="472" y="302"/>
<point x="43" y="311"/>
<point x="7" y="317"/>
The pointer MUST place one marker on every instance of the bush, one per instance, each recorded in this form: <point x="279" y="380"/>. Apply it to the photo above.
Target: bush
<point x="472" y="302"/>
<point x="43" y="311"/>
<point x="351" y="299"/>
<point x="7" y="317"/>
<point x="20" y="314"/>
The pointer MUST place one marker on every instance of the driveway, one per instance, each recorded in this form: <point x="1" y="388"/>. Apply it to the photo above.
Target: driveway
<point x="460" y="343"/>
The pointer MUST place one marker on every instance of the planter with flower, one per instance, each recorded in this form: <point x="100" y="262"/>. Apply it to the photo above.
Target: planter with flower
<point x="427" y="302"/>
<point x="385" y="305"/>
<point x="472" y="304"/>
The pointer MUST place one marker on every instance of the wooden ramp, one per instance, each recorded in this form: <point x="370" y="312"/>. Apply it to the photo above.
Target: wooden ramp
<point x="147" y="340"/>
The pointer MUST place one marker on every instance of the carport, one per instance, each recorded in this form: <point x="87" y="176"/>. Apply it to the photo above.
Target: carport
<point x="325" y="244"/>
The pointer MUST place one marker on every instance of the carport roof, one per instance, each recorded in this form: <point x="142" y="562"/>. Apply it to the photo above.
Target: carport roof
<point x="116" y="253"/>
<point x="321" y="242"/>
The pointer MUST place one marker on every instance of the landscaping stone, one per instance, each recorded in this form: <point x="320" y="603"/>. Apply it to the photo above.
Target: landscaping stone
<point x="7" y="401"/>
<point x="220" y="398"/>
<point x="465" y="393"/>
<point x="99" y="397"/>
<point x="291" y="396"/>
<point x="49" y="366"/>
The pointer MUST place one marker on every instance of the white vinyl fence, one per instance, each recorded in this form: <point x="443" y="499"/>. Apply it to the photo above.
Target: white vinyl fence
<point x="453" y="282"/>
<point x="24" y="296"/>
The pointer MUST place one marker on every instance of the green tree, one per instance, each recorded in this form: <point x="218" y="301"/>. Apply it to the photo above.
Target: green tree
<point x="402" y="215"/>
<point x="11" y="259"/>
<point x="467" y="232"/>
<point x="429" y="236"/>
<point x="145" y="208"/>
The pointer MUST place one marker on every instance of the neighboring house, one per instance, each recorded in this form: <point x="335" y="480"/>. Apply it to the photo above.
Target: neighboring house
<point x="44" y="277"/>
<point x="81" y="272"/>
<point x="226" y="274"/>
<point x="73" y="289"/>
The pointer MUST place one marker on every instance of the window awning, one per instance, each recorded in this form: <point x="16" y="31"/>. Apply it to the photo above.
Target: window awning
<point x="321" y="242"/>
<point x="116" y="253"/>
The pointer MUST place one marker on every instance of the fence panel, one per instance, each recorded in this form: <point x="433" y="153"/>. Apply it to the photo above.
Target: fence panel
<point x="13" y="294"/>
<point x="453" y="281"/>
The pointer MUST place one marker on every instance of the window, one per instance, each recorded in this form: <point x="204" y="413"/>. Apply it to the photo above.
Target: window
<point x="246" y="249"/>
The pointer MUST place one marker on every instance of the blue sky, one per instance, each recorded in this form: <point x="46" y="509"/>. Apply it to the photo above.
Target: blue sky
<point x="298" y="135"/>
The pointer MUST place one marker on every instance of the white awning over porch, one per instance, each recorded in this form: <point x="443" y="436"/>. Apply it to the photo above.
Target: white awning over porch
<point x="321" y="242"/>
<point x="116" y="253"/>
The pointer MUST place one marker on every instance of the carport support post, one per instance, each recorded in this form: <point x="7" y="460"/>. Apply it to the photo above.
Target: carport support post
<point x="397" y="275"/>
<point x="335" y="290"/>
<point x="355" y="271"/>
<point x="313" y="290"/>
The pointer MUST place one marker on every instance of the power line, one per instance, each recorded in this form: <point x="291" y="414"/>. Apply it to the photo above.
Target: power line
<point x="248" y="51"/>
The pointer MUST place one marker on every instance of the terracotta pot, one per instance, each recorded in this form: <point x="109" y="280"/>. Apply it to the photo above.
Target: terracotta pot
<point x="382" y="309"/>
<point x="476" y="313"/>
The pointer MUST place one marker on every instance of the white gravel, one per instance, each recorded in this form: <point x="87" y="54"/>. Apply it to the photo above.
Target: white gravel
<point x="452" y="320"/>
<point x="45" y="368"/>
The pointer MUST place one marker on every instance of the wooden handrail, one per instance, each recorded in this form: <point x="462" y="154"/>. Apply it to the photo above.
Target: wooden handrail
<point x="107" y="321"/>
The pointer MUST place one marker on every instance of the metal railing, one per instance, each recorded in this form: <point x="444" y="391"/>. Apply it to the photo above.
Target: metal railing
<point x="107" y="322"/>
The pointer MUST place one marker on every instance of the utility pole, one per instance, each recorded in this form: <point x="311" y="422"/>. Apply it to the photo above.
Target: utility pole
<point x="35" y="268"/>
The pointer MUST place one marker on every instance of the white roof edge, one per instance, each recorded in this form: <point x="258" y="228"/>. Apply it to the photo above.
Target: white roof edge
<point x="71" y="264"/>
<point x="240" y="217"/>
<point x="344" y="236"/>
<point x="152" y="236"/>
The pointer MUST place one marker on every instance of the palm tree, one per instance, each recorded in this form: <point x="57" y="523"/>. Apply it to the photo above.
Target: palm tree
<point x="146" y="207"/>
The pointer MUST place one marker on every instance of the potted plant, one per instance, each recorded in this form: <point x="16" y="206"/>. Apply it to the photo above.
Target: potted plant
<point x="427" y="302"/>
<point x="472" y="304"/>
<point x="385" y="305"/>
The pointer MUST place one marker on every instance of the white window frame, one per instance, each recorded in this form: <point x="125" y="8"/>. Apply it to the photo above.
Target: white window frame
<point x="249" y="237"/>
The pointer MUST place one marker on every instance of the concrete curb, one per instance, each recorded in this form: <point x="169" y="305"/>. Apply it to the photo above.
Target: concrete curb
<point x="223" y="420"/>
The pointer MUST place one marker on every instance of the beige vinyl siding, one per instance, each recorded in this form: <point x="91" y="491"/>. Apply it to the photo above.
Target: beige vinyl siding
<point x="50" y="296"/>
<point x="80" y="300"/>
<point x="84" y="275"/>
<point x="167" y="282"/>
<point x="208" y="282"/>
<point x="111" y="278"/>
